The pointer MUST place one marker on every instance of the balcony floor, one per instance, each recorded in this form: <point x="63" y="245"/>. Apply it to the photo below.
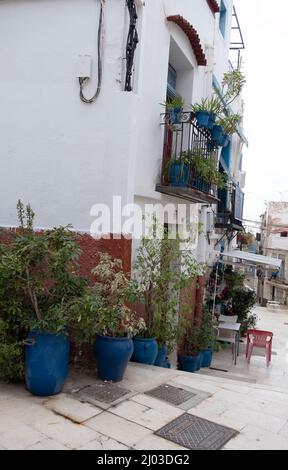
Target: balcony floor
<point x="189" y="194"/>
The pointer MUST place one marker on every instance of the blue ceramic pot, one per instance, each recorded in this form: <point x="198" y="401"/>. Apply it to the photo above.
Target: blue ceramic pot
<point x="175" y="115"/>
<point x="46" y="363"/>
<point x="145" y="350"/>
<point x="207" y="355"/>
<point x="217" y="134"/>
<point x="161" y="356"/>
<point x="190" y="363"/>
<point x="203" y="119"/>
<point x="211" y="121"/>
<point x="179" y="174"/>
<point x="112" y="356"/>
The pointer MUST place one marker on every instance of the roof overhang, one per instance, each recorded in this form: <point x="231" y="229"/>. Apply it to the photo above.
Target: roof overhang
<point x="214" y="6"/>
<point x="193" y="37"/>
<point x="252" y="259"/>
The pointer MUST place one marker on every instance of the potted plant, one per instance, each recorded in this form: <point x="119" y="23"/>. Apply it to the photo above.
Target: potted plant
<point x="205" y="169"/>
<point x="174" y="107"/>
<point x="179" y="169"/>
<point x="243" y="301"/>
<point x="105" y="318"/>
<point x="229" y="123"/>
<point x="40" y="270"/>
<point x="190" y="358"/>
<point x="206" y="111"/>
<point x="206" y="339"/>
<point x="161" y="271"/>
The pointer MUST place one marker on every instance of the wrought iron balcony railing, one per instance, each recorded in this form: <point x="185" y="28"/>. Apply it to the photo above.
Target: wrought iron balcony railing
<point x="183" y="138"/>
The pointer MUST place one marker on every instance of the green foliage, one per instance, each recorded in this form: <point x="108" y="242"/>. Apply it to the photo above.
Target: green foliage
<point x="212" y="105"/>
<point x="243" y="301"/>
<point x="11" y="356"/>
<point x="234" y="279"/>
<point x="161" y="271"/>
<point x="207" y="331"/>
<point x="206" y="170"/>
<point x="191" y="339"/>
<point x="103" y="309"/>
<point x="174" y="103"/>
<point x="229" y="123"/>
<point x="232" y="85"/>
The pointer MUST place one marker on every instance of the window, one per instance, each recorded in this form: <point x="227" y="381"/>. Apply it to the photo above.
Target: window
<point x="172" y="79"/>
<point x="223" y="17"/>
<point x="284" y="234"/>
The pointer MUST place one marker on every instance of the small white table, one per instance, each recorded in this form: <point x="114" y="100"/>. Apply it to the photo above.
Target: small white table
<point x="232" y="327"/>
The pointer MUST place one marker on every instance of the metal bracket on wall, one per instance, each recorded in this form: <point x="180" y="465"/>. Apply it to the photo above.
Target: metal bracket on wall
<point x="132" y="42"/>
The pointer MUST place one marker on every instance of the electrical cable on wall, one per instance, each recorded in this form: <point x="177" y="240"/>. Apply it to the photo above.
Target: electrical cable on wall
<point x="100" y="41"/>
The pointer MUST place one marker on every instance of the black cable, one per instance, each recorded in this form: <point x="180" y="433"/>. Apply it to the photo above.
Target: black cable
<point x="83" y="81"/>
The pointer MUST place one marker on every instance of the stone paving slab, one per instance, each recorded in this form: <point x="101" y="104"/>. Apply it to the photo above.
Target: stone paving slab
<point x="72" y="409"/>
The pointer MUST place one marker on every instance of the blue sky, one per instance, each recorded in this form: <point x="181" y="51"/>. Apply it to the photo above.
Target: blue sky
<point x="265" y="30"/>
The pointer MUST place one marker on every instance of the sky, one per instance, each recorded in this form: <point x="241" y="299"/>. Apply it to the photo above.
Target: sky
<point x="265" y="30"/>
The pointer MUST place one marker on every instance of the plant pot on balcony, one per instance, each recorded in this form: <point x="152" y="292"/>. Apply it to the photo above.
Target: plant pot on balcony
<point x="202" y="118"/>
<point x="217" y="134"/>
<point x="211" y="121"/>
<point x="225" y="140"/>
<point x="175" y="115"/>
<point x="179" y="174"/>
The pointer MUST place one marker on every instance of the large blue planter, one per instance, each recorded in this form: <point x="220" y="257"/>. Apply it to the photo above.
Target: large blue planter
<point x="211" y="121"/>
<point x="203" y="119"/>
<point x="46" y="363"/>
<point x="161" y="357"/>
<point x="145" y="350"/>
<point x="179" y="174"/>
<point x="217" y="134"/>
<point x="207" y="355"/>
<point x="112" y="356"/>
<point x="190" y="363"/>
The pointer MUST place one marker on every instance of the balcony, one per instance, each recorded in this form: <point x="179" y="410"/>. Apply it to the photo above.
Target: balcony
<point x="180" y="177"/>
<point x="230" y="209"/>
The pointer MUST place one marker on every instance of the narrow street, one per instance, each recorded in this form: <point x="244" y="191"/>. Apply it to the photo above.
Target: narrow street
<point x="251" y="400"/>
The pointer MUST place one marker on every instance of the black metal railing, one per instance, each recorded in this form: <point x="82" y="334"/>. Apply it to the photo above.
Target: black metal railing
<point x="182" y="136"/>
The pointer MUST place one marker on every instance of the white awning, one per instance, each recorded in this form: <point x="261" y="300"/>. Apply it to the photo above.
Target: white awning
<point x="253" y="259"/>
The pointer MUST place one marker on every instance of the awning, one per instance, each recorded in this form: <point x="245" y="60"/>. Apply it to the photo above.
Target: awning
<point x="254" y="260"/>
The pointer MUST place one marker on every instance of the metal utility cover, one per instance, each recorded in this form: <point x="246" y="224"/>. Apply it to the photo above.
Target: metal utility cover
<point x="102" y="392"/>
<point x="196" y="433"/>
<point x="174" y="395"/>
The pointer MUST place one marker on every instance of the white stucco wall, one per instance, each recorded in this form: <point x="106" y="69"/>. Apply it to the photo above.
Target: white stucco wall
<point x="62" y="155"/>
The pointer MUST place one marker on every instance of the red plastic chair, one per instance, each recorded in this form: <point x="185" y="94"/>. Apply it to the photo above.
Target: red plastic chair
<point x="259" y="339"/>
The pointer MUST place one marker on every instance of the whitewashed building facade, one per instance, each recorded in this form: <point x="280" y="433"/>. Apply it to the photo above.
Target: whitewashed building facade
<point x="64" y="155"/>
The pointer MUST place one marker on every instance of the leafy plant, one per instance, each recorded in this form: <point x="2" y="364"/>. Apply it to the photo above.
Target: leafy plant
<point x="174" y="103"/>
<point x="212" y="105"/>
<point x="229" y="123"/>
<point x="206" y="169"/>
<point x="38" y="277"/>
<point x="191" y="344"/>
<point x="104" y="307"/>
<point x="243" y="301"/>
<point x="161" y="271"/>
<point x="232" y="85"/>
<point x="207" y="331"/>
<point x="11" y="355"/>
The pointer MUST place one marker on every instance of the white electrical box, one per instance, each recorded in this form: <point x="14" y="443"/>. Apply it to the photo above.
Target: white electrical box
<point x="84" y="66"/>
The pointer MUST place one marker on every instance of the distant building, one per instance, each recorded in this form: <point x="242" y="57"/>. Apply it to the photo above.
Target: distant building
<point x="274" y="243"/>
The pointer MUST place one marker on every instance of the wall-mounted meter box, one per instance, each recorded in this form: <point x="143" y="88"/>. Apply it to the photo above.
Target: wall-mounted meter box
<point x="84" y="66"/>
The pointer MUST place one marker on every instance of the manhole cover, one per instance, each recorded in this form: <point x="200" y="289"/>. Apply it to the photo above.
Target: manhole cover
<point x="196" y="433"/>
<point x="103" y="392"/>
<point x="174" y="395"/>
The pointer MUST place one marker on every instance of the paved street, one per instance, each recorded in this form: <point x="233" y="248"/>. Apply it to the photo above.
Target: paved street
<point x="251" y="400"/>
